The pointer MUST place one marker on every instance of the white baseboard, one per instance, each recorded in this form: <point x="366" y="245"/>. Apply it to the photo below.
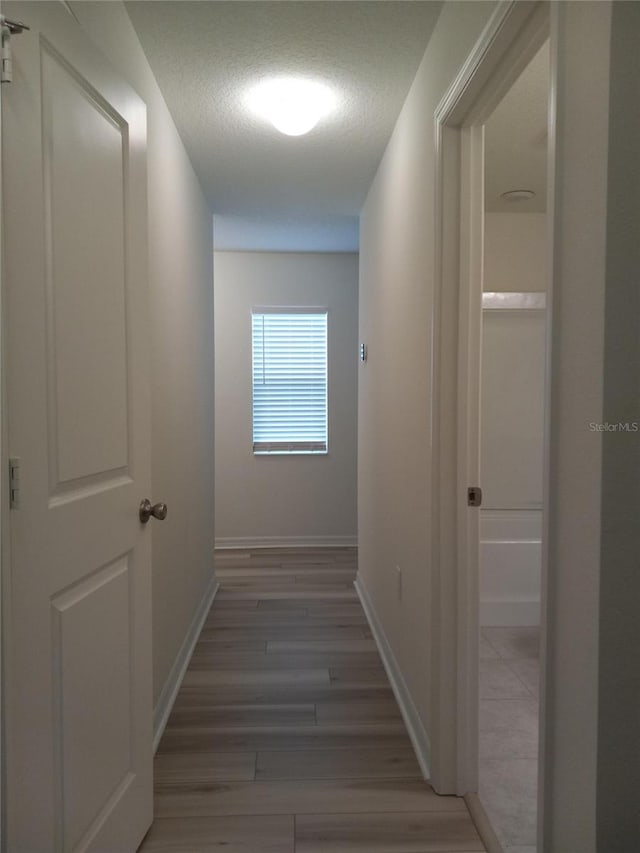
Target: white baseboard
<point x="174" y="680"/>
<point x="501" y="613"/>
<point x="482" y="823"/>
<point x="286" y="542"/>
<point x="410" y="715"/>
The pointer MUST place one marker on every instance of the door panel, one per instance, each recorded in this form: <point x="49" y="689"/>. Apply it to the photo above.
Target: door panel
<point x="91" y="641"/>
<point x="77" y="591"/>
<point x="85" y="229"/>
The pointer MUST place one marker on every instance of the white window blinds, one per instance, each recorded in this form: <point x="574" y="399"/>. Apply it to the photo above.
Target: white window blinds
<point x="289" y="380"/>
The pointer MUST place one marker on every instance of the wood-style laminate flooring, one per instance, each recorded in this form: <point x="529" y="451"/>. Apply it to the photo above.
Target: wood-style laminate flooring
<point x="285" y="735"/>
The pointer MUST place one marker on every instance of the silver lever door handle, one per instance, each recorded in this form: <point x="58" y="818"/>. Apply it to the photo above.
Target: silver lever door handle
<point x="147" y="509"/>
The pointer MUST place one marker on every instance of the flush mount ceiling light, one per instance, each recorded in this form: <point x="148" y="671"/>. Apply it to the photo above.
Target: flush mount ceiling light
<point x="518" y="195"/>
<point x="293" y="105"/>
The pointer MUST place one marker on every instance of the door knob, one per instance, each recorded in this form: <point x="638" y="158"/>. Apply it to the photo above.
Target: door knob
<point x="147" y="509"/>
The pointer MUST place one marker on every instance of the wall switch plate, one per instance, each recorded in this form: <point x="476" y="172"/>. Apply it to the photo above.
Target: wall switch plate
<point x="363" y="352"/>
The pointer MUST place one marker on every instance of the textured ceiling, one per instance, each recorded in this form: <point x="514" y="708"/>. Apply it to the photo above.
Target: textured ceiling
<point x="516" y="141"/>
<point x="267" y="189"/>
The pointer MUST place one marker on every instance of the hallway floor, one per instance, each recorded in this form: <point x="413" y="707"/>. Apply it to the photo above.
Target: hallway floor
<point x="285" y="735"/>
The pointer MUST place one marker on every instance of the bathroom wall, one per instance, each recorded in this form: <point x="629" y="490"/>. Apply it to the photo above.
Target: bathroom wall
<point x="512" y="418"/>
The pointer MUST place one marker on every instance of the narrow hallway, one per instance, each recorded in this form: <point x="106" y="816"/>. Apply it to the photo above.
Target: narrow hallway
<point x="285" y="735"/>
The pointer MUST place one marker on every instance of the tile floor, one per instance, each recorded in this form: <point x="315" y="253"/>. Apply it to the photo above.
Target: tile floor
<point x="509" y="671"/>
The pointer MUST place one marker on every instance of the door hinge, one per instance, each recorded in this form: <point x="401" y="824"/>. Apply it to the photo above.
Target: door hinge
<point x="474" y="496"/>
<point x="7" y="29"/>
<point x="14" y="483"/>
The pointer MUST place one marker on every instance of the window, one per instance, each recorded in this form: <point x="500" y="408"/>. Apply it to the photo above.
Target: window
<point x="289" y="380"/>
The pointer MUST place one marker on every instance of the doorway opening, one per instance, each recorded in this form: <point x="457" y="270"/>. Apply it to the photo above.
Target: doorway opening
<point x="512" y="395"/>
<point x="513" y="37"/>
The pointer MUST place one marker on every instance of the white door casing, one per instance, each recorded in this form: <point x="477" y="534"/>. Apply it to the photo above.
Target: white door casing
<point x="512" y="36"/>
<point x="77" y="591"/>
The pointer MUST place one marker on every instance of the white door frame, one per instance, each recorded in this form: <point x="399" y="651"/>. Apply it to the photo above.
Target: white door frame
<point x="4" y="470"/>
<point x="511" y="38"/>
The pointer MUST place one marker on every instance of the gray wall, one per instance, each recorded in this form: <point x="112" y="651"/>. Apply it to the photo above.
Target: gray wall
<point x="618" y="815"/>
<point x="280" y="499"/>
<point x="181" y="319"/>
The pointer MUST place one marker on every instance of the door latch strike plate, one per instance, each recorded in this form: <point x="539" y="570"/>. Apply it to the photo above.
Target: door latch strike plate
<point x="474" y="496"/>
<point x="14" y="483"/>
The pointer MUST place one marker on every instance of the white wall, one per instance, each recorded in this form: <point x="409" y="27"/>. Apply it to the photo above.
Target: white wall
<point x="181" y="315"/>
<point x="263" y="500"/>
<point x="580" y="48"/>
<point x="511" y="465"/>
<point x="515" y="246"/>
<point x="397" y="235"/>
<point x="512" y="422"/>
<point x="512" y="408"/>
<point x="590" y="575"/>
<point x="591" y="742"/>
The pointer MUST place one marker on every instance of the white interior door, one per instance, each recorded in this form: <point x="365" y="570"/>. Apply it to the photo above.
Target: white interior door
<point x="77" y="591"/>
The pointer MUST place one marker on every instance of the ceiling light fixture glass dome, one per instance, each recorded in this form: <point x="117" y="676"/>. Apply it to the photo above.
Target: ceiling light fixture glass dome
<point x="293" y="105"/>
